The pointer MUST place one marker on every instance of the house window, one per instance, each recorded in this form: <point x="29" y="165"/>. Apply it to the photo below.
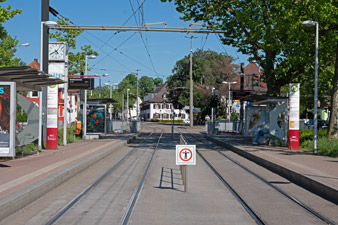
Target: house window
<point x="165" y="116"/>
<point x="183" y="116"/>
<point x="154" y="106"/>
<point x="35" y="94"/>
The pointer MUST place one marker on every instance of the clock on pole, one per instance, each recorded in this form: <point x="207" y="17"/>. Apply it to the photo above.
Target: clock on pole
<point x="57" y="51"/>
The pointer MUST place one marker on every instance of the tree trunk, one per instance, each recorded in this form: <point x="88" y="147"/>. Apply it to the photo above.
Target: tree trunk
<point x="269" y="72"/>
<point x="333" y="125"/>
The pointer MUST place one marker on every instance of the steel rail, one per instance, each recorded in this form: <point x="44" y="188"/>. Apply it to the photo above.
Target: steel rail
<point x="290" y="197"/>
<point x="135" y="29"/>
<point x="90" y="187"/>
<point x="130" y="210"/>
<point x="247" y="208"/>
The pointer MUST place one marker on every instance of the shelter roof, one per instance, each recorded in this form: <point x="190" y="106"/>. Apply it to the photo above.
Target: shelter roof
<point x="263" y="99"/>
<point x="27" y="78"/>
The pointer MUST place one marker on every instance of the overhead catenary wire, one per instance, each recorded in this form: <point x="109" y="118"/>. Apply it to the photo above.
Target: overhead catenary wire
<point x="144" y="43"/>
<point x="57" y="14"/>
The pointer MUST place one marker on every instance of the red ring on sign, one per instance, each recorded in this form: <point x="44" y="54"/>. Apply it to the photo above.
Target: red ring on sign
<point x="185" y="160"/>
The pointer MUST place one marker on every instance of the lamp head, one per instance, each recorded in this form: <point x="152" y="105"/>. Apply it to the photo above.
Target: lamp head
<point x="105" y="75"/>
<point x="309" y="23"/>
<point x="91" y="56"/>
<point x="50" y="23"/>
<point x="25" y="45"/>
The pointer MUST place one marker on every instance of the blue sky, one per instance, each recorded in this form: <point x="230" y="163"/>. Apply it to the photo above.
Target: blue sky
<point x="164" y="48"/>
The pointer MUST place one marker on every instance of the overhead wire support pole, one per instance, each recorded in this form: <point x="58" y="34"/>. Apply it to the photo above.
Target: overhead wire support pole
<point x="191" y="105"/>
<point x="137" y="29"/>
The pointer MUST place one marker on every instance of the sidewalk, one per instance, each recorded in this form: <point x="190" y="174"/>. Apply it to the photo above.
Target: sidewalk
<point x="23" y="180"/>
<point x="319" y="174"/>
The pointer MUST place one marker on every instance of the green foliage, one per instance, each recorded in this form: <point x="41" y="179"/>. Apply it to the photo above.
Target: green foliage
<point x="209" y="70"/>
<point x="327" y="147"/>
<point x="234" y="116"/>
<point x="166" y="121"/>
<point x="21" y="117"/>
<point x="27" y="148"/>
<point x="6" y="13"/>
<point x="8" y="44"/>
<point x="146" y="85"/>
<point x="70" y="136"/>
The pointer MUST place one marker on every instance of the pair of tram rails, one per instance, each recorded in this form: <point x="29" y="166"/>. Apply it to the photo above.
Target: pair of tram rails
<point x="130" y="208"/>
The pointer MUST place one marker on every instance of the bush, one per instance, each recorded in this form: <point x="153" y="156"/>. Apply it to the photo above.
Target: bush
<point x="166" y="121"/>
<point x="21" y="117"/>
<point x="327" y="147"/>
<point x="70" y="136"/>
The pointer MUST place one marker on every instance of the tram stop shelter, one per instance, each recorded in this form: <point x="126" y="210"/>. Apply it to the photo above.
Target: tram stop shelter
<point x="269" y="113"/>
<point x="22" y="79"/>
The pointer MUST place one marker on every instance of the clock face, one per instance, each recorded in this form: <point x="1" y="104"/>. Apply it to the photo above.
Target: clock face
<point x="57" y="51"/>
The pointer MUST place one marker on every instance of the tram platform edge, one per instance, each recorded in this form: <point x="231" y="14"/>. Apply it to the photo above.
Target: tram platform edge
<point x="318" y="174"/>
<point x="24" y="180"/>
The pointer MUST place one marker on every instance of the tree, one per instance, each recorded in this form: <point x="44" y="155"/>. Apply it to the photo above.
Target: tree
<point x="8" y="43"/>
<point x="210" y="69"/>
<point x="6" y="13"/>
<point x="7" y="52"/>
<point x="272" y="33"/>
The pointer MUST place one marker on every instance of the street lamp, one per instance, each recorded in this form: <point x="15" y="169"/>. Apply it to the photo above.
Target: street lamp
<point x="229" y="100"/>
<point x="212" y="108"/>
<point x="315" y="120"/>
<point x="43" y="23"/>
<point x="259" y="75"/>
<point x="111" y="96"/>
<point x="84" y="111"/>
<point x="103" y="75"/>
<point x="127" y="105"/>
<point x="23" y="45"/>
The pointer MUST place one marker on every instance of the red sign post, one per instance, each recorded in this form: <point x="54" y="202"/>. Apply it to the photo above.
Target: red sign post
<point x="52" y="117"/>
<point x="294" y="116"/>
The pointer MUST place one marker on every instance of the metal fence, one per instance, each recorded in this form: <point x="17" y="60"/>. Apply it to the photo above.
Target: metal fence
<point x="223" y="126"/>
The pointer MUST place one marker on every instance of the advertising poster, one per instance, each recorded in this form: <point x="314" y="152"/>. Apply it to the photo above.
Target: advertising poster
<point x="96" y="119"/>
<point x="255" y="118"/>
<point x="5" y="101"/>
<point x="7" y="119"/>
<point x="294" y="104"/>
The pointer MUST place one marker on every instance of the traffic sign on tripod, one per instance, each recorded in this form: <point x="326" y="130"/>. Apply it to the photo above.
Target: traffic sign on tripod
<point x="185" y="154"/>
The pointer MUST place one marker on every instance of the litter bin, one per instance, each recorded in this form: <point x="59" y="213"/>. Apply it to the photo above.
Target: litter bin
<point x="78" y="127"/>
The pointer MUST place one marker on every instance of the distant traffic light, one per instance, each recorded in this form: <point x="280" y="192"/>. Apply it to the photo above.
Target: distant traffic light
<point x="214" y="101"/>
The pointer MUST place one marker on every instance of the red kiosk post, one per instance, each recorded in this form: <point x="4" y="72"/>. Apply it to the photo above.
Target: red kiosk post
<point x="294" y="104"/>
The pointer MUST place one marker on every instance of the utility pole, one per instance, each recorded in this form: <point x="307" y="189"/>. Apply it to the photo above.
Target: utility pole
<point x="44" y="68"/>
<point x="191" y="85"/>
<point x="137" y="105"/>
<point x="122" y="107"/>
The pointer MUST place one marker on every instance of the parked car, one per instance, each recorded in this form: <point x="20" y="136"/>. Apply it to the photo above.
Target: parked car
<point x="322" y="124"/>
<point x="186" y="121"/>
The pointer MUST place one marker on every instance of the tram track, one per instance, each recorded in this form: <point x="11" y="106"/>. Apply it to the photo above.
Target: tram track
<point x="127" y="157"/>
<point x="256" y="216"/>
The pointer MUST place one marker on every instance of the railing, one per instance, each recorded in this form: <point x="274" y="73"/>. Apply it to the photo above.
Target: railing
<point x="223" y="126"/>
